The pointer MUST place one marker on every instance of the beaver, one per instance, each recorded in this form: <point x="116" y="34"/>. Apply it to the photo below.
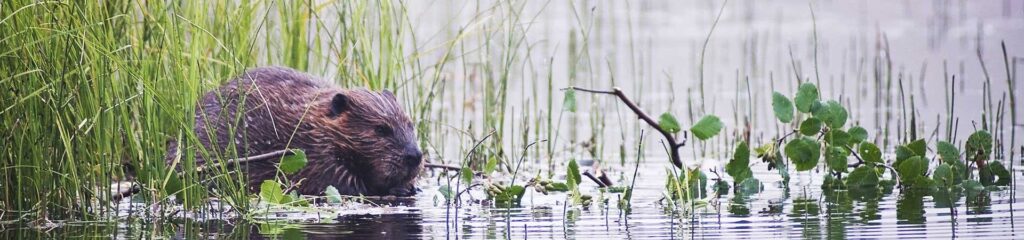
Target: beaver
<point x="357" y="140"/>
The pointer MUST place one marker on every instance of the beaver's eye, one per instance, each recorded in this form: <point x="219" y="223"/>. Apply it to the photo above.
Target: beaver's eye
<point x="383" y="130"/>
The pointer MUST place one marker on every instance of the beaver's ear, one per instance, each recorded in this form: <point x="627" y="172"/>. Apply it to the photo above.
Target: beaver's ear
<point x="388" y="93"/>
<point x="339" y="104"/>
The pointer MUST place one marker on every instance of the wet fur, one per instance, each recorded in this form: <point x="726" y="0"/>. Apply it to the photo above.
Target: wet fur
<point x="348" y="145"/>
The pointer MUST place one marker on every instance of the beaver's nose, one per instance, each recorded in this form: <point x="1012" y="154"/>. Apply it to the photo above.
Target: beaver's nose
<point x="412" y="156"/>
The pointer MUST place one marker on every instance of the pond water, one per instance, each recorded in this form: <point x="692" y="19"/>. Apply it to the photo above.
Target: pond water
<point x="653" y="49"/>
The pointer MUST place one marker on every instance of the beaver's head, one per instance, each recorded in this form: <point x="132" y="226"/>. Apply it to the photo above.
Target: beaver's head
<point x="374" y="138"/>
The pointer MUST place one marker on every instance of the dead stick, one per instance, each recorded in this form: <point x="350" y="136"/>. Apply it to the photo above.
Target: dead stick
<point x="592" y="178"/>
<point x="674" y="144"/>
<point x="442" y="166"/>
<point x="261" y="157"/>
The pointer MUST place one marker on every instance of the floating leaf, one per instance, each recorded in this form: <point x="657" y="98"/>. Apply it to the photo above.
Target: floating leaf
<point x="334" y="197"/>
<point x="912" y="170"/>
<point x="836" y="158"/>
<point x="979" y="145"/>
<point x="858" y="134"/>
<point x="293" y="163"/>
<point x="804" y="153"/>
<point x="810" y="127"/>
<point x="668" y="123"/>
<point x="270" y="191"/>
<point x="806" y="95"/>
<point x="863" y="176"/>
<point x="837" y="137"/>
<point x="783" y="107"/>
<point x="739" y="166"/>
<point x="870" y="153"/>
<point x="569" y="103"/>
<point x="707" y="127"/>
<point x="948" y="152"/>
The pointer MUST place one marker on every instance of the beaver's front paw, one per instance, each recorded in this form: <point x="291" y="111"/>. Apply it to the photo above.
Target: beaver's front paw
<point x="403" y="191"/>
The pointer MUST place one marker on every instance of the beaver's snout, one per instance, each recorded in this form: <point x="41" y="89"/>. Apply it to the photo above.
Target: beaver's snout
<point x="412" y="156"/>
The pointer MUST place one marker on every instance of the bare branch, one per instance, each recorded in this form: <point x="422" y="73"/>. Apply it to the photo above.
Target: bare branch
<point x="673" y="143"/>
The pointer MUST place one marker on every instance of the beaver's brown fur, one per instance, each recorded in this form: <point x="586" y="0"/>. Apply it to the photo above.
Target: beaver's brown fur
<point x="359" y="141"/>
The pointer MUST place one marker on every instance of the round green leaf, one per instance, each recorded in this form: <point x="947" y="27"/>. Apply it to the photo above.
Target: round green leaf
<point x="707" y="127"/>
<point x="783" y="107"/>
<point x="997" y="169"/>
<point x="836" y="158"/>
<point x="918" y="147"/>
<point x="271" y="192"/>
<point x="837" y="137"/>
<point x="948" y="152"/>
<point x="810" y="127"/>
<point x="858" y="134"/>
<point x="293" y="163"/>
<point x="944" y="175"/>
<point x="979" y="145"/>
<point x="739" y="166"/>
<point x="912" y="169"/>
<point x="806" y="95"/>
<point x="870" y="153"/>
<point x="804" y="153"/>
<point x="863" y="176"/>
<point x="668" y="123"/>
<point x="832" y="114"/>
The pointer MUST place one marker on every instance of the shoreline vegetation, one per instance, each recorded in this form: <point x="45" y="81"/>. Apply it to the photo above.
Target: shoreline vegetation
<point x="92" y="93"/>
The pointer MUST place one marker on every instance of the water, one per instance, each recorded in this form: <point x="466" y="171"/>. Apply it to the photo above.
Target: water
<point x="653" y="49"/>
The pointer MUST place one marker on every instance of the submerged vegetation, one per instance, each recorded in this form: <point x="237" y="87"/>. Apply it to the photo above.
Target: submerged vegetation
<point x="92" y="94"/>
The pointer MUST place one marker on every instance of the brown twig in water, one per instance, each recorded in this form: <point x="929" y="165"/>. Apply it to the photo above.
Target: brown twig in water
<point x="592" y="178"/>
<point x="673" y="143"/>
<point x="261" y="157"/>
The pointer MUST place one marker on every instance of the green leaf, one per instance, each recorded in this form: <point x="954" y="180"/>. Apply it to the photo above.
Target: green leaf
<point x="973" y="186"/>
<point x="293" y="163"/>
<point x="467" y="175"/>
<point x="721" y="187"/>
<point x="270" y="191"/>
<point x="948" y="152"/>
<point x="832" y="114"/>
<point x="919" y="147"/>
<point x="902" y="153"/>
<point x="806" y="95"/>
<point x="491" y="165"/>
<point x="912" y="169"/>
<point x="446" y="192"/>
<point x="739" y="166"/>
<point x="810" y="127"/>
<point x="836" y="158"/>
<point x="510" y="196"/>
<point x="944" y="175"/>
<point x="333" y="196"/>
<point x="783" y="107"/>
<point x="569" y="103"/>
<point x="707" y="127"/>
<point x="870" y="153"/>
<point x="863" y="176"/>
<point x="832" y="183"/>
<point x="749" y="186"/>
<point x="572" y="175"/>
<point x="804" y="153"/>
<point x="837" y="137"/>
<point x="858" y="134"/>
<point x="557" y="187"/>
<point x="668" y="123"/>
<point x="997" y="169"/>
<point x="979" y="145"/>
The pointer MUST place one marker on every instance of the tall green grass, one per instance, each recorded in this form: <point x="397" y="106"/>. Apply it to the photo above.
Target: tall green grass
<point x="94" y="91"/>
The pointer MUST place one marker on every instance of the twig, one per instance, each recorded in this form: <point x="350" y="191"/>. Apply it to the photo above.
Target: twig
<point x="673" y="143"/>
<point x="443" y="166"/>
<point x="261" y="157"/>
<point x="592" y="178"/>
